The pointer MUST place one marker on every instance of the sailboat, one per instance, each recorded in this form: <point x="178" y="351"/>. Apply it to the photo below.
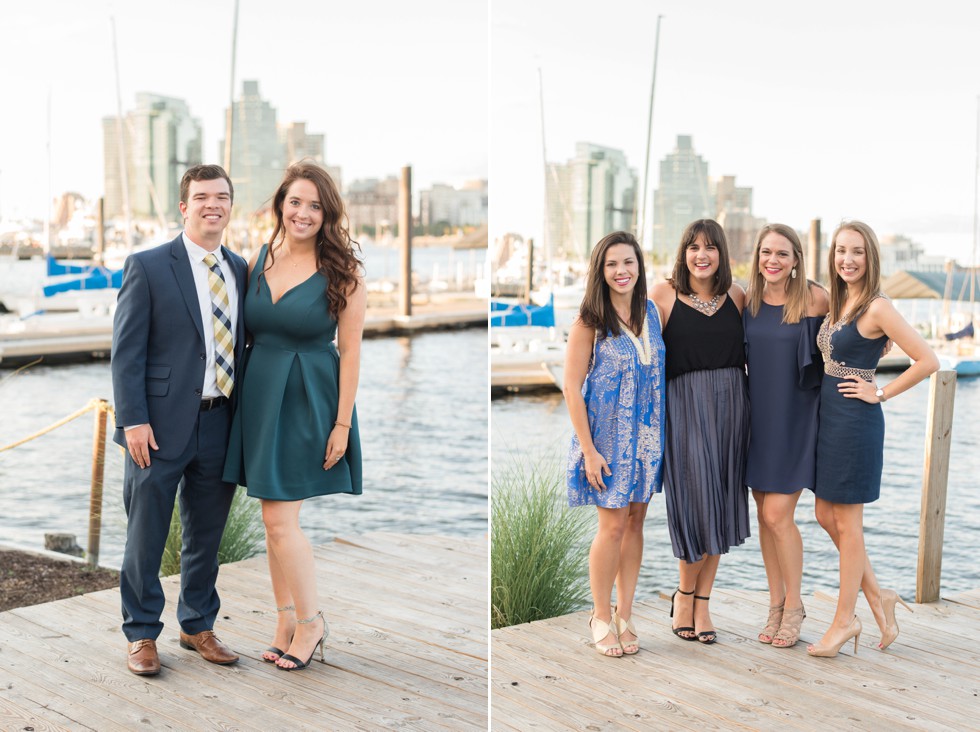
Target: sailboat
<point x="960" y="352"/>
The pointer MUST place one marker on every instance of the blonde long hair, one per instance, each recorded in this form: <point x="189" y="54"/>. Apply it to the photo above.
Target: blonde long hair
<point x="871" y="287"/>
<point x="797" y="290"/>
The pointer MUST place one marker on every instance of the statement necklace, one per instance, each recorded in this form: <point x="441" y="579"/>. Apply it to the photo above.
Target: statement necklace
<point x="708" y="308"/>
<point x="642" y="344"/>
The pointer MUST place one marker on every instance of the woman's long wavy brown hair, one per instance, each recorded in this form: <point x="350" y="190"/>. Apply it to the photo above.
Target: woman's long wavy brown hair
<point x="596" y="310"/>
<point x="336" y="253"/>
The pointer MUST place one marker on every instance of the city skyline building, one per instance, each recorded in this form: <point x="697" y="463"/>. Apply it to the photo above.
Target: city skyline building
<point x="446" y="207"/>
<point x="372" y="205"/>
<point x="257" y="154"/>
<point x="589" y="196"/>
<point x="682" y="196"/>
<point x="160" y="140"/>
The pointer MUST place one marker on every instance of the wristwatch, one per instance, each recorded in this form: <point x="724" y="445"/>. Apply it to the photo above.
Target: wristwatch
<point x="880" y="393"/>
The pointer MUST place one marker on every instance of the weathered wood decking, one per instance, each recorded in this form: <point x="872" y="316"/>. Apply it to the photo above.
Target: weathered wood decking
<point x="407" y="649"/>
<point x="546" y="676"/>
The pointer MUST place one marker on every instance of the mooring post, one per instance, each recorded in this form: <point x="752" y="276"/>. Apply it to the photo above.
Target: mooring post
<point x="932" y="517"/>
<point x="529" y="274"/>
<point x="813" y="251"/>
<point x="98" y="471"/>
<point x="405" y="234"/>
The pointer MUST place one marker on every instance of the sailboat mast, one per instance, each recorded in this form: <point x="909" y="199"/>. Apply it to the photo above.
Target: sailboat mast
<point x="231" y="92"/>
<point x="642" y="207"/>
<point x="544" y="159"/>
<point x="47" y="211"/>
<point x="121" y="142"/>
<point x="976" y="192"/>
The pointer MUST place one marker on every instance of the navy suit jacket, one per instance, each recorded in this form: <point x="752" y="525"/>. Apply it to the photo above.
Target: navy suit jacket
<point x="158" y="356"/>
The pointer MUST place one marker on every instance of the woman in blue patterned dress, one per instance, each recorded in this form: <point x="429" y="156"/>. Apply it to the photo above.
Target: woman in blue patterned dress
<point x="614" y="389"/>
<point x="782" y="314"/>
<point x="851" y="435"/>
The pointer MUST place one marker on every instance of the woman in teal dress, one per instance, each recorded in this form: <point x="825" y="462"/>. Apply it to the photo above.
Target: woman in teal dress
<point x="294" y="434"/>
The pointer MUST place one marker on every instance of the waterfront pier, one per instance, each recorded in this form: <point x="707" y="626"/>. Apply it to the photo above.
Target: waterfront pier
<point x="546" y="675"/>
<point x="407" y="648"/>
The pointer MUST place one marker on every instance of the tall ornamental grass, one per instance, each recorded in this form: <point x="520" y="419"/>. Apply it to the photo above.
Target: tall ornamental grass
<point x="539" y="563"/>
<point x="243" y="537"/>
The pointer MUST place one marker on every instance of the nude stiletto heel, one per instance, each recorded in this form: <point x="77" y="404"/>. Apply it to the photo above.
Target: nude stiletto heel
<point x="833" y="648"/>
<point x="888" y="599"/>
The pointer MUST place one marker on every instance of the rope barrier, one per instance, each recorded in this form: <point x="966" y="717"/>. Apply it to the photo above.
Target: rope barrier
<point x="93" y="404"/>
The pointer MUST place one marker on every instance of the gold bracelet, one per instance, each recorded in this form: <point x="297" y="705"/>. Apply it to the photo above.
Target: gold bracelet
<point x="341" y="424"/>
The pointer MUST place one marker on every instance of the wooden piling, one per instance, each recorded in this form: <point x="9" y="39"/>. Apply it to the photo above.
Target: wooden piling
<point x="813" y="251"/>
<point x="939" y="430"/>
<point x="405" y="234"/>
<point x="95" y="497"/>
<point x="529" y="274"/>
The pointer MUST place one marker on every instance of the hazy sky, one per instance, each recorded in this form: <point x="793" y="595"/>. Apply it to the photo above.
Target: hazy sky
<point x="389" y="83"/>
<point x="826" y="110"/>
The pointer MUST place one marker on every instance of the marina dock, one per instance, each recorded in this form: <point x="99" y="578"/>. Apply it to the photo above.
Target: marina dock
<point x="407" y="649"/>
<point x="546" y="675"/>
<point x="64" y="337"/>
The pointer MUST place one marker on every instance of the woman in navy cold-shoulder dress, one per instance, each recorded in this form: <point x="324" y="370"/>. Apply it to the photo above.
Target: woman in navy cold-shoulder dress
<point x="782" y="315"/>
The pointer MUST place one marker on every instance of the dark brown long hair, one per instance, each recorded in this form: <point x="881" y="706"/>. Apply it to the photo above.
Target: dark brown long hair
<point x="336" y="253"/>
<point x="713" y="233"/>
<point x="596" y="310"/>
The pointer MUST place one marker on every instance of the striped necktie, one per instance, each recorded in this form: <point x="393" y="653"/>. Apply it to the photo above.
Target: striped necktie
<point x="224" y="344"/>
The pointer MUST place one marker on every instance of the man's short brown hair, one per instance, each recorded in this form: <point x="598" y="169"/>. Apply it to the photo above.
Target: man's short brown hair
<point x="204" y="172"/>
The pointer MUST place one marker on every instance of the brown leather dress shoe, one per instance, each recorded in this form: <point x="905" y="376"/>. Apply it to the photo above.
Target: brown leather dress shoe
<point x="207" y="644"/>
<point x="143" y="658"/>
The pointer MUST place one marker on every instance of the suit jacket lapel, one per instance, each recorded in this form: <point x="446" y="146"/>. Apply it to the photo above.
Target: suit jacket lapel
<point x="185" y="281"/>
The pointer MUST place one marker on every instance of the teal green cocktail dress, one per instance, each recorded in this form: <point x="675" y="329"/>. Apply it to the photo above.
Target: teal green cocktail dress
<point x="287" y="397"/>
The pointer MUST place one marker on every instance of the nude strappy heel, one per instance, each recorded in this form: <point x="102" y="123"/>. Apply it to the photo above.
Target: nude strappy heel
<point x="600" y="629"/>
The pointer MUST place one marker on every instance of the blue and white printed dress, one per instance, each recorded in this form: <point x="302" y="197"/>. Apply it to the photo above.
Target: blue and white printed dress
<point x="624" y="398"/>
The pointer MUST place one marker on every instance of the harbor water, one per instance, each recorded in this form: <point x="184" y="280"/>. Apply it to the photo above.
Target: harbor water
<point x="536" y="428"/>
<point x="422" y="408"/>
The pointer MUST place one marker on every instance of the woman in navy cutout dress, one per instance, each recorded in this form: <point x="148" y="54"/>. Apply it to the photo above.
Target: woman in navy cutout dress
<point x="850" y="438"/>
<point x="614" y="391"/>
<point x="781" y="319"/>
<point x="707" y="420"/>
<point x="294" y="434"/>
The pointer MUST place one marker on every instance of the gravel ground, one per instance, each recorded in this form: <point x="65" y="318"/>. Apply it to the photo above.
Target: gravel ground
<point x="30" y="579"/>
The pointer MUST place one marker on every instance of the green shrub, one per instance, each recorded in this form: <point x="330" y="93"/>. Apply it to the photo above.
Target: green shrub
<point x="539" y="547"/>
<point x="243" y="536"/>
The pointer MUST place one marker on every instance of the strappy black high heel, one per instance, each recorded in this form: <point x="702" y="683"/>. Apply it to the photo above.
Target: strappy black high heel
<point x="272" y="649"/>
<point x="299" y="664"/>
<point x="706" y="636"/>
<point x="678" y="631"/>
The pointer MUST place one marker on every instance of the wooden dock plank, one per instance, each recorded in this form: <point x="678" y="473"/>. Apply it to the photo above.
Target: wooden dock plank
<point x="399" y="654"/>
<point x="546" y="675"/>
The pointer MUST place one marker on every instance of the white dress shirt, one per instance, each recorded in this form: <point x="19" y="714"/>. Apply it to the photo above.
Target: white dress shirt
<point x="199" y="269"/>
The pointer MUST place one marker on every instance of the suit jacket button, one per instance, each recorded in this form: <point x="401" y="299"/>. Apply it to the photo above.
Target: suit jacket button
<point x="203" y="357"/>
<point x="198" y="392"/>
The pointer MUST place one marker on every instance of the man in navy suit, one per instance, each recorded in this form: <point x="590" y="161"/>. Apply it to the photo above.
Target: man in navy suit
<point x="172" y="383"/>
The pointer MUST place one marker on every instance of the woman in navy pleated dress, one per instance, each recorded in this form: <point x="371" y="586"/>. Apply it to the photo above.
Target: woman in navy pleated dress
<point x="614" y="389"/>
<point x="782" y="315"/>
<point x="851" y="435"/>
<point x="707" y="420"/>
